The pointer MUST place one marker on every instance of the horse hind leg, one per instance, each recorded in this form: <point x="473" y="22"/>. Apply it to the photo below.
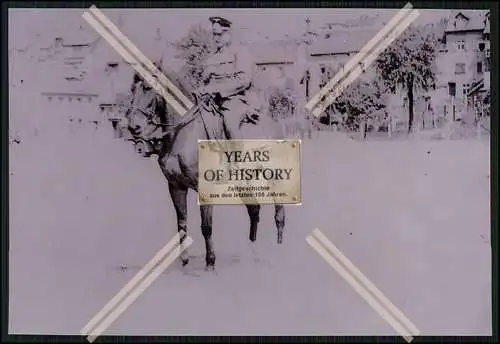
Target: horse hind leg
<point x="206" y="230"/>
<point x="179" y="198"/>
<point x="253" y="213"/>
<point x="279" y="219"/>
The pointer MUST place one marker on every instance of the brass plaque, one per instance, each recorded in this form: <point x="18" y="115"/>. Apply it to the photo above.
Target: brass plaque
<point x="249" y="172"/>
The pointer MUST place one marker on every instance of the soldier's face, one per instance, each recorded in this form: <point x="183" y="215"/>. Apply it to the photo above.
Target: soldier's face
<point x="222" y="36"/>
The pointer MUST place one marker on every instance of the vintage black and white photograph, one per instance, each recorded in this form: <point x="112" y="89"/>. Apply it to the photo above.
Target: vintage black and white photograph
<point x="392" y="110"/>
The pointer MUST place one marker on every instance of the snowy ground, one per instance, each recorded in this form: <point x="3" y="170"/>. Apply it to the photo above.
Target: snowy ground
<point x="87" y="213"/>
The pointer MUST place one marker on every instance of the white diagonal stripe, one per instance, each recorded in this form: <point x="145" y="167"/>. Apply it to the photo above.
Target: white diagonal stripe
<point x="132" y="283"/>
<point x="356" y="72"/>
<point x="184" y="100"/>
<point x="364" y="280"/>
<point x="139" y="290"/>
<point x="133" y="62"/>
<point x="360" y="289"/>
<point x="359" y="56"/>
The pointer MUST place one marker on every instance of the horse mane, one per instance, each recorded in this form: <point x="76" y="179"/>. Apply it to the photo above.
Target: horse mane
<point x="181" y="84"/>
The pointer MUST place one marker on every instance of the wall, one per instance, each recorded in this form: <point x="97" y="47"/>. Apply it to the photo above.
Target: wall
<point x="469" y="56"/>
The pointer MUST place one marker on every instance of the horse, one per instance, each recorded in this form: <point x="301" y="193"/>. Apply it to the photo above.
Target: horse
<point x="178" y="157"/>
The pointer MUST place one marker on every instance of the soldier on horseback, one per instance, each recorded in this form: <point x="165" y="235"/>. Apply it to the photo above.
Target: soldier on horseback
<point x="227" y="96"/>
<point x="228" y="79"/>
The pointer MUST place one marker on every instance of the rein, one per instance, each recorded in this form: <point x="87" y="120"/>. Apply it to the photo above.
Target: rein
<point x="205" y="103"/>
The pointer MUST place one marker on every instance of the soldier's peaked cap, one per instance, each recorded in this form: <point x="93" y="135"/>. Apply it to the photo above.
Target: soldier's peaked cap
<point x="221" y="21"/>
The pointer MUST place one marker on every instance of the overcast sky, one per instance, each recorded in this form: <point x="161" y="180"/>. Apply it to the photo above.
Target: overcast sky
<point x="38" y="27"/>
<point x="138" y="23"/>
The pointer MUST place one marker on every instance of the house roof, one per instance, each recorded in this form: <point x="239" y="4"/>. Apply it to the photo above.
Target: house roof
<point x="274" y="51"/>
<point x="52" y="73"/>
<point x="42" y="45"/>
<point x="83" y="35"/>
<point x="474" y="20"/>
<point x="342" y="41"/>
<point x="352" y="23"/>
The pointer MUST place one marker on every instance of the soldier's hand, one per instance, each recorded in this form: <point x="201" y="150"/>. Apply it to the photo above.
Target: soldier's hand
<point x="217" y="97"/>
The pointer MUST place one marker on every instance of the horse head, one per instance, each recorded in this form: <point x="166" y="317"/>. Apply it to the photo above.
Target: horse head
<point x="147" y="112"/>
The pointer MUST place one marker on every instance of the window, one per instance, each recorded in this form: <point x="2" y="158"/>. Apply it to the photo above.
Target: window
<point x="461" y="45"/>
<point x="479" y="67"/>
<point x="465" y="89"/>
<point x="452" y="88"/>
<point x="324" y="75"/>
<point x="460" y="68"/>
<point x="58" y="42"/>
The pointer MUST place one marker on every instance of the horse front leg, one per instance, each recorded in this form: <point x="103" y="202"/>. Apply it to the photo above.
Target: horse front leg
<point x="279" y="219"/>
<point x="179" y="198"/>
<point x="254" y="214"/>
<point x="206" y="230"/>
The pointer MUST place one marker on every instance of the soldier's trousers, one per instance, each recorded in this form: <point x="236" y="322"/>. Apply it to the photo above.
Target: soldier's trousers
<point x="234" y="111"/>
<point x="244" y="122"/>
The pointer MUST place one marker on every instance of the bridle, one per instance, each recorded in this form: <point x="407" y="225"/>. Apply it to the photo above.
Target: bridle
<point x="150" y="115"/>
<point x="203" y="102"/>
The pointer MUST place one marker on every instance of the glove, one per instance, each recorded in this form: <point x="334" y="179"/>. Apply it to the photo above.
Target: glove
<point x="251" y="118"/>
<point x="218" y="99"/>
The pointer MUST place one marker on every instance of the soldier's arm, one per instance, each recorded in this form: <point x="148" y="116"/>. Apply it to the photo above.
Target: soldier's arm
<point x="204" y="86"/>
<point x="206" y="75"/>
<point x="243" y="73"/>
<point x="245" y="66"/>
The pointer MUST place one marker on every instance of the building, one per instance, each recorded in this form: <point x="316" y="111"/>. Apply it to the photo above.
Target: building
<point x="48" y="71"/>
<point x="327" y="56"/>
<point x="63" y="71"/>
<point x="274" y="60"/>
<point x="277" y="73"/>
<point x="479" y="95"/>
<point x="462" y="63"/>
<point x="83" y="74"/>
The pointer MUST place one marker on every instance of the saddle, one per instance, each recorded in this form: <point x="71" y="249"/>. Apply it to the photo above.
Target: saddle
<point x="216" y="107"/>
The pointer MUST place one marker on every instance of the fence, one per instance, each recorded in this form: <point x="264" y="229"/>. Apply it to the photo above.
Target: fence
<point x="294" y="127"/>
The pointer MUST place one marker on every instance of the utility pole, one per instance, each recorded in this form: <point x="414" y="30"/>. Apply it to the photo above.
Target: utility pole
<point x="306" y="41"/>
